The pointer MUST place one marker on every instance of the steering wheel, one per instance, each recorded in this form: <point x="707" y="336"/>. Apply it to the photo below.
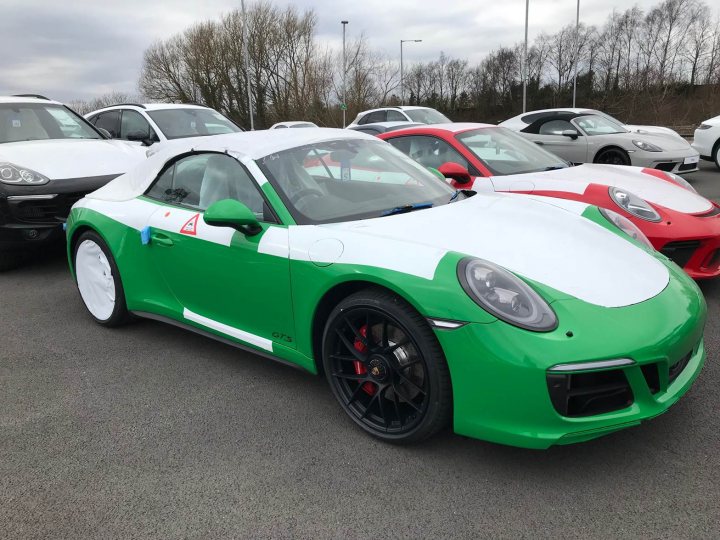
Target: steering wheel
<point x="305" y="192"/>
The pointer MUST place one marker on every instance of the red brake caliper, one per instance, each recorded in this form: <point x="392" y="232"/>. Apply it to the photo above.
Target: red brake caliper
<point x="368" y="387"/>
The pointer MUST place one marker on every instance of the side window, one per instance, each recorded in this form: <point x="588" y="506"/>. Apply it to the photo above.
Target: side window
<point x="135" y="127"/>
<point x="429" y="151"/>
<point x="110" y="121"/>
<point x="201" y="180"/>
<point x="377" y="116"/>
<point x="555" y="127"/>
<point x="396" y="116"/>
<point x="93" y="119"/>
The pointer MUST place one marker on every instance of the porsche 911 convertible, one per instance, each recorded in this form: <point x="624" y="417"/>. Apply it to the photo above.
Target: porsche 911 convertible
<point x="522" y="320"/>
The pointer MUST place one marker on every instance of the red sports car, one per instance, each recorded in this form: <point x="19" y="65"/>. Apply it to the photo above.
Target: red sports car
<point x="678" y="222"/>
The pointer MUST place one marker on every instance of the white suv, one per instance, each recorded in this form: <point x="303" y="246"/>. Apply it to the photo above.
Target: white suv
<point x="403" y="113"/>
<point x="149" y="123"/>
<point x="707" y="140"/>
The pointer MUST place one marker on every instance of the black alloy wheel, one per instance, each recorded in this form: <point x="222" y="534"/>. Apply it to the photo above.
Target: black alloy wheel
<point x="613" y="156"/>
<point x="386" y="368"/>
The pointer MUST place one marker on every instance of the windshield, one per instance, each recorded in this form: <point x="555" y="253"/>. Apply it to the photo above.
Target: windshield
<point x="604" y="115"/>
<point x="40" y="122"/>
<point x="344" y="180"/>
<point x="504" y="152"/>
<point x="182" y="123"/>
<point x="593" y="124"/>
<point x="427" y="116"/>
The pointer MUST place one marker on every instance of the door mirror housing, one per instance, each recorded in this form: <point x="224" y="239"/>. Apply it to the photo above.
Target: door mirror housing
<point x="105" y="132"/>
<point x="456" y="172"/>
<point x="572" y="133"/>
<point x="232" y="213"/>
<point x="139" y="136"/>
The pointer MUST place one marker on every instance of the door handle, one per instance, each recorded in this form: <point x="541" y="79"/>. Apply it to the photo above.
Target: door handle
<point x="162" y="239"/>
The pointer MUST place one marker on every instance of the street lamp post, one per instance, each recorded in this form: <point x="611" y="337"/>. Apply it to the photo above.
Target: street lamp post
<point x="344" y="75"/>
<point x="247" y="65"/>
<point x="402" y="82"/>
<point x="577" y="49"/>
<point x="525" y="61"/>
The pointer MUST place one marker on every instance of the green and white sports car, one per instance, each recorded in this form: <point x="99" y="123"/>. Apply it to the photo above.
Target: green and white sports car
<point x="525" y="321"/>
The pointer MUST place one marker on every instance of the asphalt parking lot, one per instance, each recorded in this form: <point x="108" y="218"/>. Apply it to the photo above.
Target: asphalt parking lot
<point x="152" y="432"/>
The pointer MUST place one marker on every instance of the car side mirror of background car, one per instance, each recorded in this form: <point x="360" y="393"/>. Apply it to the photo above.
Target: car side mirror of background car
<point x="105" y="132"/>
<point x="455" y="172"/>
<point x="573" y="134"/>
<point x="139" y="136"/>
<point x="232" y="213"/>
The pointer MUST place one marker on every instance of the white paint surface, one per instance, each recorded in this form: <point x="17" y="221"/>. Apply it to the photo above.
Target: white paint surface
<point x="95" y="280"/>
<point x="247" y="337"/>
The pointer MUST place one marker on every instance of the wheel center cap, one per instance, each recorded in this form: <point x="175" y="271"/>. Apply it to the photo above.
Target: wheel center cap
<point x="377" y="368"/>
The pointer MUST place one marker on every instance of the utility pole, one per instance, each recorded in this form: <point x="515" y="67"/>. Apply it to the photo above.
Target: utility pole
<point x="525" y="61"/>
<point x="246" y="54"/>
<point x="402" y="81"/>
<point x="343" y="105"/>
<point x="577" y="49"/>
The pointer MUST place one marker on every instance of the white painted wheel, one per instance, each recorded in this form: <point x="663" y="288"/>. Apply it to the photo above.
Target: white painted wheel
<point x="95" y="280"/>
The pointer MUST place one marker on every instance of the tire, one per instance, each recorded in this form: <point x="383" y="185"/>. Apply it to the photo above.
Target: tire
<point x="716" y="154"/>
<point x="613" y="156"/>
<point x="386" y="367"/>
<point x="10" y="260"/>
<point x="98" y="280"/>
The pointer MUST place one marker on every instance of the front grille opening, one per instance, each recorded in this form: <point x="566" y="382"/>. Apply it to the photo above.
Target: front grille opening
<point x="713" y="260"/>
<point x="587" y="394"/>
<point x="667" y="167"/>
<point x="652" y="377"/>
<point x="677" y="368"/>
<point x="687" y="166"/>
<point x="45" y="210"/>
<point x="680" y="252"/>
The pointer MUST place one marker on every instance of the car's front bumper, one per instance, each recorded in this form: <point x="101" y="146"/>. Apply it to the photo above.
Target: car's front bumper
<point x="680" y="162"/>
<point x="704" y="140"/>
<point x="32" y="216"/>
<point x="500" y="373"/>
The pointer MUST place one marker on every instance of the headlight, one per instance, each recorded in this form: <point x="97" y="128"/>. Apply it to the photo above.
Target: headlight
<point x="626" y="226"/>
<point x="704" y="126"/>
<point x="648" y="147"/>
<point x="680" y="181"/>
<point x="504" y="295"/>
<point x="633" y="204"/>
<point x="13" y="174"/>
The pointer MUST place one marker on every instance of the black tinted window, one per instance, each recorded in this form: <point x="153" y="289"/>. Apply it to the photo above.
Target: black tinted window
<point x="429" y="151"/>
<point x="135" y="126"/>
<point x="109" y="121"/>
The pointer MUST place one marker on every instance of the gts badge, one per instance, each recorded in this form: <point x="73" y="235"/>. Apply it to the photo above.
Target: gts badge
<point x="282" y="337"/>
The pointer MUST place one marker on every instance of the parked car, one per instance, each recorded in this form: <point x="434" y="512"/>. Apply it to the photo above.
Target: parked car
<point x="383" y="127"/>
<point x="403" y="113"/>
<point x="148" y="123"/>
<point x="294" y="124"/>
<point x="424" y="306"/>
<point x="680" y="223"/>
<point x="518" y="122"/>
<point x="49" y="158"/>
<point x="589" y="138"/>
<point x="707" y="140"/>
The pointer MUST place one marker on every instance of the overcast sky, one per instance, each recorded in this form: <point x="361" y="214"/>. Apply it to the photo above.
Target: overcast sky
<point x="79" y="49"/>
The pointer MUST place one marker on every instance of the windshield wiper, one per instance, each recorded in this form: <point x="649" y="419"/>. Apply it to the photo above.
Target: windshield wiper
<point x="407" y="208"/>
<point x="555" y="167"/>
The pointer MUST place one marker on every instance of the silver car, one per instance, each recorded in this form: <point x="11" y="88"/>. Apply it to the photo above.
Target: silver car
<point x="590" y="138"/>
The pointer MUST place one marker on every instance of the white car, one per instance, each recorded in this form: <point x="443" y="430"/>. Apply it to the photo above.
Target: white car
<point x="148" y="123"/>
<point x="520" y="121"/>
<point x="403" y="113"/>
<point x="50" y="157"/>
<point x="293" y="124"/>
<point x="707" y="140"/>
<point x="590" y="138"/>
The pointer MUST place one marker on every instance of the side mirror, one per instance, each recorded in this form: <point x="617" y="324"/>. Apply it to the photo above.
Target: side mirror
<point x="104" y="132"/>
<point x="573" y="134"/>
<point x="232" y="213"/>
<point x="139" y="136"/>
<point x="455" y="172"/>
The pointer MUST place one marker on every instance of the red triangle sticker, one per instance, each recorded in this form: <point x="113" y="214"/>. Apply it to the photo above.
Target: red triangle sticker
<point x="190" y="226"/>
